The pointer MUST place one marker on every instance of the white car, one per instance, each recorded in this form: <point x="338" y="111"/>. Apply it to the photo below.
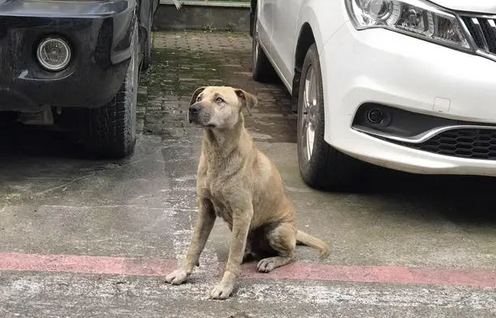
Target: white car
<point x="408" y="85"/>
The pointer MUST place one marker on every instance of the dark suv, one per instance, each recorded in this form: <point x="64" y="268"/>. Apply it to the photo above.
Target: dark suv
<point x="76" y="56"/>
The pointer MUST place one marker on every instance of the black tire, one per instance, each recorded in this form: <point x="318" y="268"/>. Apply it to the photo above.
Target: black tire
<point x="326" y="167"/>
<point x="262" y="70"/>
<point x="110" y="131"/>
<point x="148" y="46"/>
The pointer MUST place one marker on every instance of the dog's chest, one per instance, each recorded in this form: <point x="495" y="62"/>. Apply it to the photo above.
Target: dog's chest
<point x="215" y="193"/>
<point x="223" y="212"/>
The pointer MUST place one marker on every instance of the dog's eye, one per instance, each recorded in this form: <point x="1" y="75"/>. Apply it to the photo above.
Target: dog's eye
<point x="198" y="98"/>
<point x="219" y="100"/>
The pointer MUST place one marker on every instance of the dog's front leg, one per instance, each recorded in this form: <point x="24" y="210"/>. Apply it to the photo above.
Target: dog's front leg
<point x="241" y="226"/>
<point x="204" y="225"/>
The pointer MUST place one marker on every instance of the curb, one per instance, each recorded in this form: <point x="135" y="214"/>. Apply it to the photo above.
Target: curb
<point x="203" y="15"/>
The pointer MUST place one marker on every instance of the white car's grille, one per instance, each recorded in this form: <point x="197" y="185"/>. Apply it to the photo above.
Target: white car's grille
<point x="461" y="143"/>
<point x="483" y="31"/>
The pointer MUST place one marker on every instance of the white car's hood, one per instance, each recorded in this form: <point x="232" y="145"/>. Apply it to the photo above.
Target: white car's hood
<point x="478" y="6"/>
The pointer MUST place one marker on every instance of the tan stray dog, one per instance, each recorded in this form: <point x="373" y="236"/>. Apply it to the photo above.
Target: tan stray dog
<point x="241" y="185"/>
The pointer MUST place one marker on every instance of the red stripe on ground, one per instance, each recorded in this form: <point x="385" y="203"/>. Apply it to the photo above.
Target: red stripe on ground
<point x="85" y="264"/>
<point x="380" y="274"/>
<point x="295" y="271"/>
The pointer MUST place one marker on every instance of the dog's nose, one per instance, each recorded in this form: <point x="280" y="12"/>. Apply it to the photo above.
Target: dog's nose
<point x="194" y="110"/>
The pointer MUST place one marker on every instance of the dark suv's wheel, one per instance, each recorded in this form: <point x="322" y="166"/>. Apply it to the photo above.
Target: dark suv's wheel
<point x="262" y="70"/>
<point x="110" y="131"/>
<point x="321" y="166"/>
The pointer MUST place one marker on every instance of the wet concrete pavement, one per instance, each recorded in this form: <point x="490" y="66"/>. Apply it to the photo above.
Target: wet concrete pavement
<point x="86" y="238"/>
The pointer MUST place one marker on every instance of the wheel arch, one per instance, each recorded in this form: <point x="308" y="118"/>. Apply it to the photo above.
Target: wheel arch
<point x="145" y="11"/>
<point x="320" y="19"/>
<point x="253" y="11"/>
<point x="306" y="38"/>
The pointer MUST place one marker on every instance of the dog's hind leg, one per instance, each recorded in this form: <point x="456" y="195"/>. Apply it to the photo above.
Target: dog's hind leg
<point x="283" y="240"/>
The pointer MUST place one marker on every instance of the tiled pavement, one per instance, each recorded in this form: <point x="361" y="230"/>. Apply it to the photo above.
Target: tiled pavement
<point x="189" y="59"/>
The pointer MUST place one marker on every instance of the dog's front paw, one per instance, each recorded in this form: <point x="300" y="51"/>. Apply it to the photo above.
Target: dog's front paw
<point x="222" y="291"/>
<point x="177" y="277"/>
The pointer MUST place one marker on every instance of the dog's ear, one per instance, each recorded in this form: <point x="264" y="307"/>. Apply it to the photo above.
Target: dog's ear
<point x="248" y="100"/>
<point x="195" y="94"/>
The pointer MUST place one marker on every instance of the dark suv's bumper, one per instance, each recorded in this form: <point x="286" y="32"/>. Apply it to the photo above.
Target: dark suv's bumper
<point x="99" y="34"/>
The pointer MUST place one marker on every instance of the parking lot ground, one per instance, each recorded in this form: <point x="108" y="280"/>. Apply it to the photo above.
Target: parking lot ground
<point x="86" y="238"/>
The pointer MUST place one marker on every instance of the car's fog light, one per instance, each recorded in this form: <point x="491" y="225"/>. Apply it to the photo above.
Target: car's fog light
<point x="375" y="116"/>
<point x="54" y="53"/>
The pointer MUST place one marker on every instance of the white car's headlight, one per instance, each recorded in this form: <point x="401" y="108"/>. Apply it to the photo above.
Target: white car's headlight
<point x="412" y="17"/>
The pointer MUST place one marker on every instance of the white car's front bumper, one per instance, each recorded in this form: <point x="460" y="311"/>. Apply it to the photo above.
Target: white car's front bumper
<point x="392" y="69"/>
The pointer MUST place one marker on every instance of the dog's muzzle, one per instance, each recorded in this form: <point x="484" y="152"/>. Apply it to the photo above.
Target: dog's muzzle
<point x="194" y="112"/>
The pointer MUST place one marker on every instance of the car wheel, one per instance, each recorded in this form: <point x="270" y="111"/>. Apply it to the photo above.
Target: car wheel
<point x="262" y="70"/>
<point x="321" y="166"/>
<point x="147" y="57"/>
<point x="110" y="131"/>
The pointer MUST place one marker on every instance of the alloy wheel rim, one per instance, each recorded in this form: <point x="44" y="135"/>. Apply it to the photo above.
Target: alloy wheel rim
<point x="309" y="110"/>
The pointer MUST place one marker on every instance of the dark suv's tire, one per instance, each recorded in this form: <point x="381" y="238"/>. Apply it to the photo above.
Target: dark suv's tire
<point x="110" y="131"/>
<point x="262" y="70"/>
<point x="321" y="166"/>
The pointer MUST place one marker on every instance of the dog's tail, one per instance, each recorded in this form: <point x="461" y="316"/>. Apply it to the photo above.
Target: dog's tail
<point x="314" y="242"/>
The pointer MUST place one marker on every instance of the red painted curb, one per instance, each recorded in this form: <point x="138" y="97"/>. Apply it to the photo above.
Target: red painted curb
<point x="106" y="265"/>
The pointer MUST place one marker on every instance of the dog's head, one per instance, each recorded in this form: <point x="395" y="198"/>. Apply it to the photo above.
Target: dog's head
<point x="219" y="106"/>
